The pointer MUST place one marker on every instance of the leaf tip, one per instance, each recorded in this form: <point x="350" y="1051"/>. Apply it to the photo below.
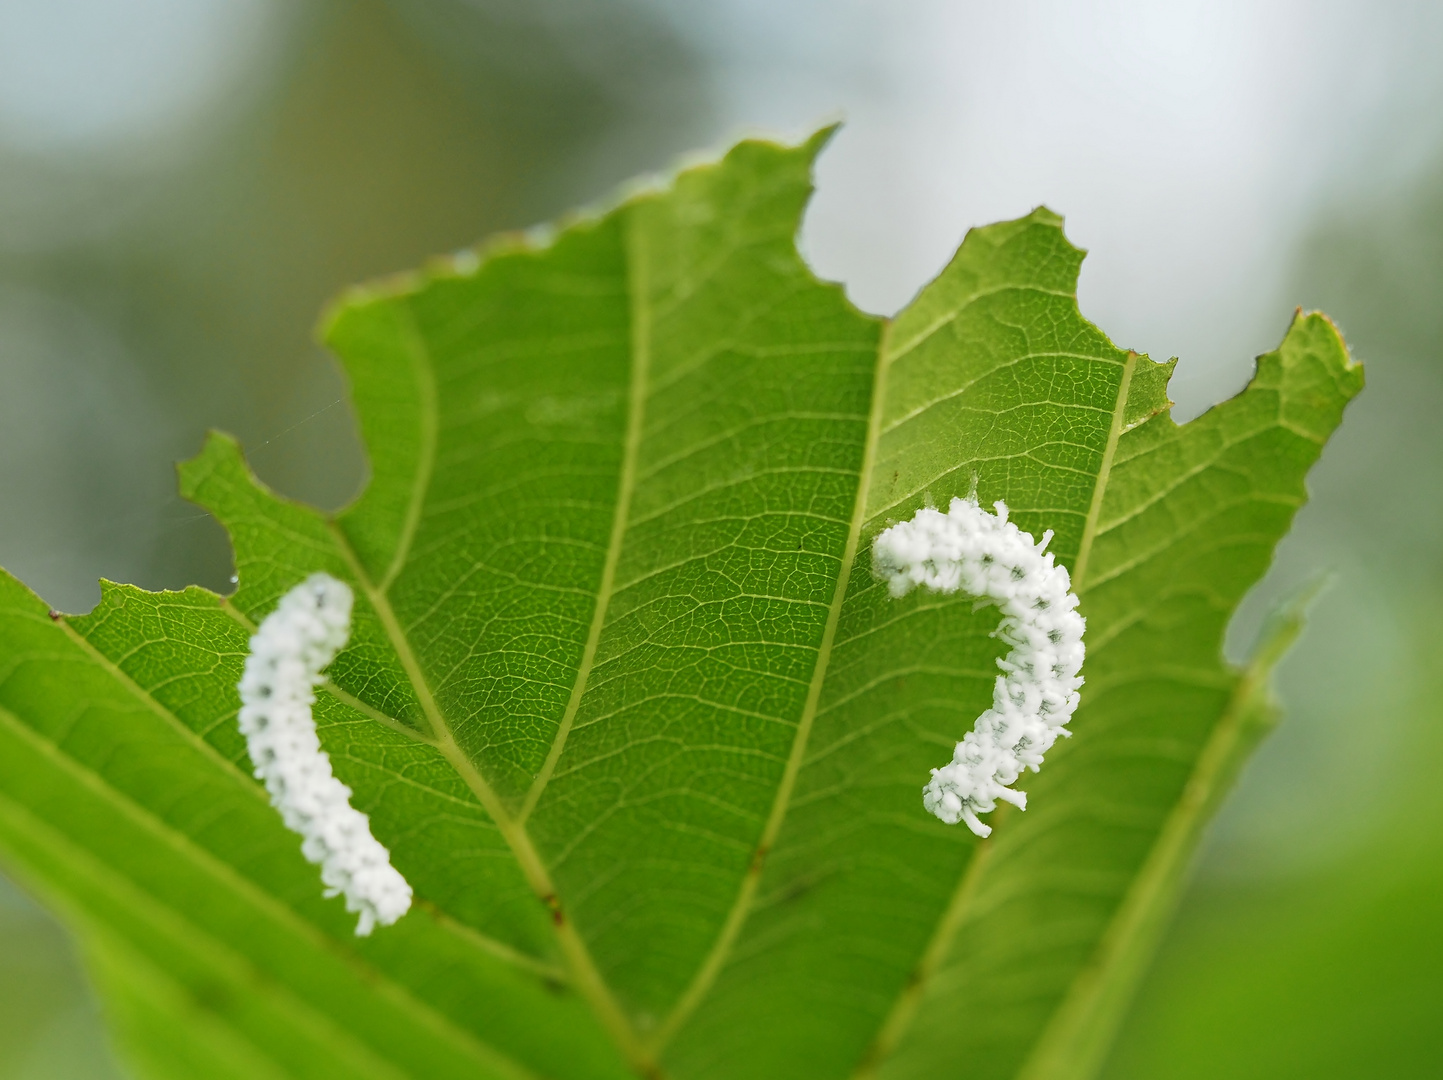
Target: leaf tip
<point x="818" y="140"/>
<point x="1315" y="359"/>
<point x="356" y="297"/>
<point x="1045" y="215"/>
<point x="1321" y="323"/>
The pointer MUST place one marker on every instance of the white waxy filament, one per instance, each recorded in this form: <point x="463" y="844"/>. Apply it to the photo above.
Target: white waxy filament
<point x="288" y="653"/>
<point x="967" y="550"/>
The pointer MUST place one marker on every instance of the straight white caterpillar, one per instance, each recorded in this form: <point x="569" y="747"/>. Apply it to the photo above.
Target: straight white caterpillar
<point x="289" y="651"/>
<point x="971" y="551"/>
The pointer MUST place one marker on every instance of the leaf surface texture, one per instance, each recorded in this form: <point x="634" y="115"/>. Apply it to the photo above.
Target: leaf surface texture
<point x="623" y="698"/>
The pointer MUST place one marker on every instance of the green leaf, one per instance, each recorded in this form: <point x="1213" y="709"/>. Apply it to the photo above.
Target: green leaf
<point x="623" y="698"/>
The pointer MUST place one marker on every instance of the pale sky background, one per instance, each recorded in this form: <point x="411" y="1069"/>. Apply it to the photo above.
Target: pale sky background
<point x="1186" y="142"/>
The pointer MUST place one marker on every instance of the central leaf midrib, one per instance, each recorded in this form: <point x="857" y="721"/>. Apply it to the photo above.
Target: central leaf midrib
<point x="741" y="907"/>
<point x="426" y="455"/>
<point x="637" y="288"/>
<point x="586" y="977"/>
<point x="584" y="974"/>
<point x="909" y="999"/>
<point x="1104" y="474"/>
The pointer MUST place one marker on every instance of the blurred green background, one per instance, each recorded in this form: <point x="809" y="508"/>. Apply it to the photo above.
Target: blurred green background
<point x="184" y="183"/>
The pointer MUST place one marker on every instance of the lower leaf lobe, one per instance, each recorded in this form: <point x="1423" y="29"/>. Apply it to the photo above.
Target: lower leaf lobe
<point x="161" y="846"/>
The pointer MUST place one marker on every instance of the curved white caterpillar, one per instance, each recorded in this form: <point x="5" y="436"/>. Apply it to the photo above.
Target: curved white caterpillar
<point x="288" y="653"/>
<point x="969" y="550"/>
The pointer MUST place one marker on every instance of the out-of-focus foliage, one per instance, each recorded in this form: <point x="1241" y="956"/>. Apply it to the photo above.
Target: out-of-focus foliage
<point x="1334" y="967"/>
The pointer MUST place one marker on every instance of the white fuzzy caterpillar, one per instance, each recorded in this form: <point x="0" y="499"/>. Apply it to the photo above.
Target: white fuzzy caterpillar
<point x="971" y="551"/>
<point x="289" y="651"/>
